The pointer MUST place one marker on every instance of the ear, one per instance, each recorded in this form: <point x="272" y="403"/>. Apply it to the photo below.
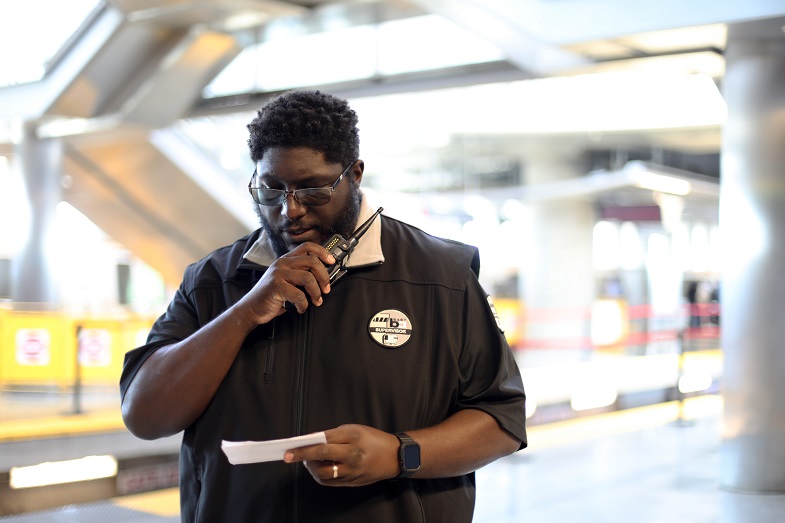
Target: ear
<point x="357" y="171"/>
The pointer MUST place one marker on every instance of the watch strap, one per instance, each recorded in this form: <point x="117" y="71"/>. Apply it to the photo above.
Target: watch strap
<point x="405" y="440"/>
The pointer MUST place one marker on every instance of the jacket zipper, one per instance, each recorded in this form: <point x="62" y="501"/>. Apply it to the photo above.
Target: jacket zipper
<point x="270" y="361"/>
<point x="304" y="323"/>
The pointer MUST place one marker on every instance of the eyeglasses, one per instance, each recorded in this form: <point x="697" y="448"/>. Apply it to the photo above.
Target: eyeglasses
<point x="311" y="196"/>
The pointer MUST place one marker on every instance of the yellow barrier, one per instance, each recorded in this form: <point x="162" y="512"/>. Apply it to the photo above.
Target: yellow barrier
<point x="510" y="312"/>
<point x="40" y="348"/>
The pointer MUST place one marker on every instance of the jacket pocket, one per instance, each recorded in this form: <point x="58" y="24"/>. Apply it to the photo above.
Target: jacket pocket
<point x="255" y="364"/>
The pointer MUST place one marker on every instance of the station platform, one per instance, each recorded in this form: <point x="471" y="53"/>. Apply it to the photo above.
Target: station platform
<point x="657" y="464"/>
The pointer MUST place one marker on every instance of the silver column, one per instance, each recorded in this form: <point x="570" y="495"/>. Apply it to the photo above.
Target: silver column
<point x="752" y="222"/>
<point x="557" y="269"/>
<point x="33" y="282"/>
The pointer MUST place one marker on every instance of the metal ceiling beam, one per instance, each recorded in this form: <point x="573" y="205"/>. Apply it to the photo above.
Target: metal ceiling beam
<point x="462" y="76"/>
<point x="136" y="194"/>
<point x="502" y="27"/>
<point x="565" y="22"/>
<point x="31" y="101"/>
<point x="179" y="79"/>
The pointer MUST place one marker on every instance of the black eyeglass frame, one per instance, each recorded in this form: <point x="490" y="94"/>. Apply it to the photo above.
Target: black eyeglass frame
<point x="283" y="195"/>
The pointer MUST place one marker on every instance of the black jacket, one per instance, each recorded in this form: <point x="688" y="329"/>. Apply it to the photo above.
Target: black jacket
<point x="306" y="373"/>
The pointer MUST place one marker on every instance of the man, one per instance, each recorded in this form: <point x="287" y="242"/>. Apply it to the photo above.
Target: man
<point x="402" y="353"/>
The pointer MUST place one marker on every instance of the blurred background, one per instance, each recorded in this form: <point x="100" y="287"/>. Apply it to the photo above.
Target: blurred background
<point x="584" y="146"/>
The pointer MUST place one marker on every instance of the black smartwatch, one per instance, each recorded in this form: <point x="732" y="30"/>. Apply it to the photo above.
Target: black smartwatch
<point x="408" y="455"/>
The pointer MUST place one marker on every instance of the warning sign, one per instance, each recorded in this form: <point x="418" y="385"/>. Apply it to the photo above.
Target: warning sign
<point x="95" y="347"/>
<point x="33" y="347"/>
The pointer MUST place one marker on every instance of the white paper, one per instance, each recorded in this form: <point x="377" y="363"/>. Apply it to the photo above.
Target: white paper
<point x="241" y="452"/>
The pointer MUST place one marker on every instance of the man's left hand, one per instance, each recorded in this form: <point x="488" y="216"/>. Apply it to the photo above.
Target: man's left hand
<point x="354" y="455"/>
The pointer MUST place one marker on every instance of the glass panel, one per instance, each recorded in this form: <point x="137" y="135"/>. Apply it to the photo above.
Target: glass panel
<point x="285" y="63"/>
<point x="237" y="77"/>
<point x="315" y="59"/>
<point x="605" y="248"/>
<point x="34" y="31"/>
<point x="430" y="42"/>
<point x="224" y="139"/>
<point x="344" y="54"/>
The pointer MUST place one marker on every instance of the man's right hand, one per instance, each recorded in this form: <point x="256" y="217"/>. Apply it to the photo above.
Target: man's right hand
<point x="178" y="381"/>
<point x="299" y="277"/>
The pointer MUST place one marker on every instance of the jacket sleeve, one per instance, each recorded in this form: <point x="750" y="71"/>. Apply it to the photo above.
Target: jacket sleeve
<point x="489" y="376"/>
<point x="176" y="324"/>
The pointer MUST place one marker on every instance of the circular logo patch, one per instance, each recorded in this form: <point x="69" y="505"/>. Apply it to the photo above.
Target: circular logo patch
<point x="390" y="328"/>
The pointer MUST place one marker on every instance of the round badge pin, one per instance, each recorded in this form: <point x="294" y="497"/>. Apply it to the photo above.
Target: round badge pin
<point x="390" y="328"/>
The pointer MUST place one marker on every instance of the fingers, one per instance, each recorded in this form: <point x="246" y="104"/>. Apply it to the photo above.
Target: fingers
<point x="303" y="275"/>
<point x="326" y="472"/>
<point x="295" y="280"/>
<point x="332" y="473"/>
<point x="334" y="450"/>
<point x="354" y="455"/>
<point x="300" y="286"/>
<point x="321" y="452"/>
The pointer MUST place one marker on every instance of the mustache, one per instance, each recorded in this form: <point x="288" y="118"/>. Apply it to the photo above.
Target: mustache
<point x="286" y="225"/>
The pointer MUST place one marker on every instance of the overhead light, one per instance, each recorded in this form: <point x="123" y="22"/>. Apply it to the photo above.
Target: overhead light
<point x="59" y="472"/>
<point x="694" y="382"/>
<point x="662" y="183"/>
<point x="608" y="319"/>
<point x="595" y="389"/>
<point x="645" y="178"/>
<point x="62" y="127"/>
<point x="245" y="20"/>
<point x="598" y="397"/>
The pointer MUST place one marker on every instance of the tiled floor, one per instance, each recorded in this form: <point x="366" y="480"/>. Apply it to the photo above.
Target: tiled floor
<point x="667" y="473"/>
<point x="638" y="466"/>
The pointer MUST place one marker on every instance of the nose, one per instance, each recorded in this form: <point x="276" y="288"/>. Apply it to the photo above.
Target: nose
<point x="291" y="208"/>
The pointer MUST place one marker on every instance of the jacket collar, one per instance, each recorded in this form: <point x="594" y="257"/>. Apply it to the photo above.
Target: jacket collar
<point x="368" y="250"/>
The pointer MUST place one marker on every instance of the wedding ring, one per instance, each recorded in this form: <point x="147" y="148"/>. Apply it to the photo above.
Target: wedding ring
<point x="335" y="471"/>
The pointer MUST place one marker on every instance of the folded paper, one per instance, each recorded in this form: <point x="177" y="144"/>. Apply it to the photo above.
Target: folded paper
<point x="242" y="452"/>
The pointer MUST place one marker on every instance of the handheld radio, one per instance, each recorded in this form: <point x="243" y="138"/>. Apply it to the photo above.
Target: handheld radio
<point x="341" y="247"/>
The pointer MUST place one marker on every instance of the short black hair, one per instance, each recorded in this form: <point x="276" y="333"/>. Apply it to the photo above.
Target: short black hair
<point x="303" y="118"/>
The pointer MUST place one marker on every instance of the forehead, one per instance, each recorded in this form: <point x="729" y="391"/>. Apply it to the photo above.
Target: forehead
<point x="293" y="161"/>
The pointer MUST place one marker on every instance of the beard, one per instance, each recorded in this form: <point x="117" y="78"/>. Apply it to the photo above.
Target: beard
<point x="344" y="224"/>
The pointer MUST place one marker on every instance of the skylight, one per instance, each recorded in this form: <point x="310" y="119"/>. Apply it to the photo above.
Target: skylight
<point x="352" y="53"/>
<point x="33" y="31"/>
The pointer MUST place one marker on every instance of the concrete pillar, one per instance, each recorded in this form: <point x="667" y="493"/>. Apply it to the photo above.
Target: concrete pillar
<point x="33" y="282"/>
<point x="558" y="284"/>
<point x="752" y="214"/>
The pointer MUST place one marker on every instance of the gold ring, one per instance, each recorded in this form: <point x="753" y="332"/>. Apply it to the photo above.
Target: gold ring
<point x="335" y="471"/>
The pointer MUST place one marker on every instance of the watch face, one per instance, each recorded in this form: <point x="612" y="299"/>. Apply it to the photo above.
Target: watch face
<point x="411" y="457"/>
